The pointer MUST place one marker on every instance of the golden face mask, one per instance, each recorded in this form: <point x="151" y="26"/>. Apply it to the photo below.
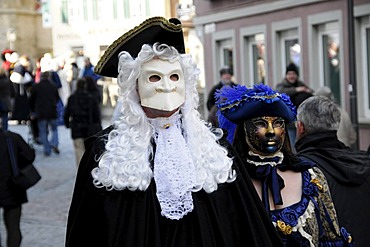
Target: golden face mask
<point x="265" y="135"/>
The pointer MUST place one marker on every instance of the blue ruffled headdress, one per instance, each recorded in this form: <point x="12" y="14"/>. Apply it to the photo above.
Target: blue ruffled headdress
<point x="239" y="103"/>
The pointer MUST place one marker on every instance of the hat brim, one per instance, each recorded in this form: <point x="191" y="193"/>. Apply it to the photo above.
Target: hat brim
<point x="152" y="30"/>
<point x="255" y="109"/>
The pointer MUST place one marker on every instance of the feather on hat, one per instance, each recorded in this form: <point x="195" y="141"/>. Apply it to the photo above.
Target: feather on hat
<point x="238" y="103"/>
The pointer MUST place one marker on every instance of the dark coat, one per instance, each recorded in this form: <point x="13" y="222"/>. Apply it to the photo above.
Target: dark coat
<point x="21" y="109"/>
<point x="231" y="216"/>
<point x="24" y="155"/>
<point x="211" y="101"/>
<point x="289" y="88"/>
<point x="81" y="111"/>
<point x="348" y="175"/>
<point x="43" y="100"/>
<point x="6" y="93"/>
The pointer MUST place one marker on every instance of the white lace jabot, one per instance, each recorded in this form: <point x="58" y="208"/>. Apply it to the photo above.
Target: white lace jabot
<point x="174" y="170"/>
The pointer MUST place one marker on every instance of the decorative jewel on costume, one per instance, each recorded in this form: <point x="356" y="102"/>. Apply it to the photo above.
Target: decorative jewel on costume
<point x="284" y="228"/>
<point x="238" y="103"/>
<point x="174" y="170"/>
<point x="316" y="182"/>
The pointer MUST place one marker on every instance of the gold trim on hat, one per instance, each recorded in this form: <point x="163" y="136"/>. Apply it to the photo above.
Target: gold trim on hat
<point x="253" y="97"/>
<point x="111" y="50"/>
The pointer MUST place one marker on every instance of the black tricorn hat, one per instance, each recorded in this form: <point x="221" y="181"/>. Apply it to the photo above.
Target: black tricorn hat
<point x="152" y="30"/>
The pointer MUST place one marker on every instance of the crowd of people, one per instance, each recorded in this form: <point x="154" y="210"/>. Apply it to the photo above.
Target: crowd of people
<point x="41" y="98"/>
<point x="38" y="95"/>
<point x="265" y="169"/>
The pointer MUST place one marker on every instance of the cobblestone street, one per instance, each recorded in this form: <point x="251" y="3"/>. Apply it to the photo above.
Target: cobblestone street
<point x="43" y="221"/>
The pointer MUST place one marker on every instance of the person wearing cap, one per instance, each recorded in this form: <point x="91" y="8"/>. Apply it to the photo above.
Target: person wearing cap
<point x="293" y="191"/>
<point x="226" y="75"/>
<point x="297" y="90"/>
<point x="347" y="170"/>
<point x="158" y="176"/>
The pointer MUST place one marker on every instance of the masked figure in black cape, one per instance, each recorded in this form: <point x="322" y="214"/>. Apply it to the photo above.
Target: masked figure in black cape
<point x="293" y="191"/>
<point x="159" y="176"/>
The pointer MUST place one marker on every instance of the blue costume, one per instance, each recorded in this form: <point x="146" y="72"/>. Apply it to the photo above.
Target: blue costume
<point x="256" y="120"/>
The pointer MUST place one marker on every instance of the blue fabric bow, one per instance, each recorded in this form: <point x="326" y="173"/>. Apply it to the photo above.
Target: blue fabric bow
<point x="269" y="178"/>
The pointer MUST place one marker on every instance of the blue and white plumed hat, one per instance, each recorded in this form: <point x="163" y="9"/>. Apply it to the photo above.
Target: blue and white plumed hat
<point x="238" y="103"/>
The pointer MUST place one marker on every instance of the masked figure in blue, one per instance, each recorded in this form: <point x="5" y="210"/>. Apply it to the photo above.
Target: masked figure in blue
<point x="294" y="192"/>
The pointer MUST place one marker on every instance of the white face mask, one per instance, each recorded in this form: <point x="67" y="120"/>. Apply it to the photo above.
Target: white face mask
<point x="161" y="85"/>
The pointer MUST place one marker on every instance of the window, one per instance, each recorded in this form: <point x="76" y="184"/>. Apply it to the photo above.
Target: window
<point x="253" y="55"/>
<point x="226" y="58"/>
<point x="126" y="9"/>
<point x="259" y="66"/>
<point x="95" y="14"/>
<point x="64" y="9"/>
<point x="223" y="51"/>
<point x="115" y="15"/>
<point x="292" y="52"/>
<point x="331" y="64"/>
<point x="326" y="68"/>
<point x="286" y="44"/>
<point x="290" y="49"/>
<point x="85" y="10"/>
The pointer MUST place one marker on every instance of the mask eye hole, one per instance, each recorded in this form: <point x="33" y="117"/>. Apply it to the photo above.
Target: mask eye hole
<point x="154" y="78"/>
<point x="260" y="123"/>
<point x="174" y="77"/>
<point x="279" y="123"/>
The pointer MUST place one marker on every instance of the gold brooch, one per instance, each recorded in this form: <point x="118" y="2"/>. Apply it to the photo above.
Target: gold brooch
<point x="316" y="182"/>
<point x="166" y="126"/>
<point x="284" y="228"/>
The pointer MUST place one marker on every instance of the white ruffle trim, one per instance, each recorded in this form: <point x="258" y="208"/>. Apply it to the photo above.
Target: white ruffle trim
<point x="280" y="155"/>
<point x="174" y="170"/>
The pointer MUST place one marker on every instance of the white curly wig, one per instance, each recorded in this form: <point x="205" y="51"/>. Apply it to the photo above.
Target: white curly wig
<point x="126" y="163"/>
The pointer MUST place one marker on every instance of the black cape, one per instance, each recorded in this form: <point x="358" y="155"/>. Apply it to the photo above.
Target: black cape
<point x="348" y="174"/>
<point x="231" y="216"/>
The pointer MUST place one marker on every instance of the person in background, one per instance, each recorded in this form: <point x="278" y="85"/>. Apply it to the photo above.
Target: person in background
<point x="43" y="103"/>
<point x="93" y="89"/>
<point x="48" y="64"/>
<point x="88" y="70"/>
<point x="346" y="133"/>
<point x="22" y="81"/>
<point x="226" y="75"/>
<point x="347" y="170"/>
<point x="9" y="58"/>
<point x="297" y="90"/>
<point x="12" y="198"/>
<point x="72" y="72"/>
<point x="64" y="90"/>
<point x="7" y="93"/>
<point x="294" y="191"/>
<point x="80" y="109"/>
<point x="158" y="176"/>
<point x="37" y="72"/>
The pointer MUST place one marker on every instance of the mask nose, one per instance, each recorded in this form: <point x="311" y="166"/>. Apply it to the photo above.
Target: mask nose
<point x="166" y="86"/>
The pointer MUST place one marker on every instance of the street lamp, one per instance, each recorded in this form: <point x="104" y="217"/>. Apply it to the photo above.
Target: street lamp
<point x="11" y="36"/>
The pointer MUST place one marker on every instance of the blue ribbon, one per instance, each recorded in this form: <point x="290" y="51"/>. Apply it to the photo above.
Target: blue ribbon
<point x="269" y="178"/>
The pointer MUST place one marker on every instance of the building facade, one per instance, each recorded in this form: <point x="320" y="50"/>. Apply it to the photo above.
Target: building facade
<point x="21" y="28"/>
<point x="259" y="38"/>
